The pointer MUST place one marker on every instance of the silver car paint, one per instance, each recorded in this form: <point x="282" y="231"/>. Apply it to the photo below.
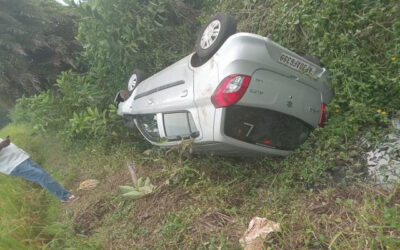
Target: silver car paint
<point x="272" y="86"/>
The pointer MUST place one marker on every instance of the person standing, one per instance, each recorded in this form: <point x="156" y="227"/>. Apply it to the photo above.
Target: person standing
<point x="16" y="162"/>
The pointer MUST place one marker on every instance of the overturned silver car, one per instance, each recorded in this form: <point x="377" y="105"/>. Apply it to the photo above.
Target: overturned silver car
<point x="239" y="94"/>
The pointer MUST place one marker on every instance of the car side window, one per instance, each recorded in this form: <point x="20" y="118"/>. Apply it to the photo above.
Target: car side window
<point x="148" y="126"/>
<point x="179" y="125"/>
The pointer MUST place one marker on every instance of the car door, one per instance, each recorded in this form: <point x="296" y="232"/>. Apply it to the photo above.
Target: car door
<point x="169" y="90"/>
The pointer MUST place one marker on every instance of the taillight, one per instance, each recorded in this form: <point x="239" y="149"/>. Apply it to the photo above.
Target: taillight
<point x="267" y="142"/>
<point x="323" y="117"/>
<point x="230" y="90"/>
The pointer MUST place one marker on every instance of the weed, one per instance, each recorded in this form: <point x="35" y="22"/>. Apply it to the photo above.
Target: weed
<point x="23" y="211"/>
<point x="207" y="201"/>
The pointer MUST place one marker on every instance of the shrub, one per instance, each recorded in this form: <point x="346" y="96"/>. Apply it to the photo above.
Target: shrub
<point x="117" y="36"/>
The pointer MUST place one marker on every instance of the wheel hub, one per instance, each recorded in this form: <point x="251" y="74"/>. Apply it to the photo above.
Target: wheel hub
<point x="132" y="82"/>
<point x="210" y="34"/>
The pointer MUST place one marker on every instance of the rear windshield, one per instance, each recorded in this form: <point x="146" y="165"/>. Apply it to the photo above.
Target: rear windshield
<point x="265" y="127"/>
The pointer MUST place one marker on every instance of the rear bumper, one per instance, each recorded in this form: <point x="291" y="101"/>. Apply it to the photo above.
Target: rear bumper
<point x="235" y="150"/>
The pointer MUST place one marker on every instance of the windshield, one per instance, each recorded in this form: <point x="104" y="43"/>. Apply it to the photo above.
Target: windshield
<point x="265" y="127"/>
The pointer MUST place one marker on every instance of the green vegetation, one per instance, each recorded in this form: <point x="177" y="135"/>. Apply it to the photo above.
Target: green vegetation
<point x="36" y="44"/>
<point x="117" y="38"/>
<point x="25" y="211"/>
<point x="206" y="202"/>
<point x="319" y="194"/>
<point x="4" y="119"/>
<point x="14" y="222"/>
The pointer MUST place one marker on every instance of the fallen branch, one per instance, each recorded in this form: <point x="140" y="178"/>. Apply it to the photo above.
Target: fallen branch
<point x="132" y="171"/>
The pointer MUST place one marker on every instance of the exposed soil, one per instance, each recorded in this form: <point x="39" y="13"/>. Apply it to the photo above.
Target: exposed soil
<point x="94" y="205"/>
<point x="90" y="218"/>
<point x="211" y="222"/>
<point x="152" y="211"/>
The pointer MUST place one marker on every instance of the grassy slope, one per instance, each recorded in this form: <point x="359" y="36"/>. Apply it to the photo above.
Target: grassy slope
<point x="209" y="201"/>
<point x="24" y="210"/>
<point x="15" y="215"/>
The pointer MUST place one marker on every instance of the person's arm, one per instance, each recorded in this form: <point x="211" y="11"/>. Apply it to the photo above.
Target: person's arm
<point x="4" y="143"/>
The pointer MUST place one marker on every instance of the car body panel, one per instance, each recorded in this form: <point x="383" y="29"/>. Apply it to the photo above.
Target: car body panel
<point x="274" y="86"/>
<point x="169" y="89"/>
<point x="254" y="52"/>
<point x="277" y="92"/>
<point x="233" y="148"/>
<point x="205" y="81"/>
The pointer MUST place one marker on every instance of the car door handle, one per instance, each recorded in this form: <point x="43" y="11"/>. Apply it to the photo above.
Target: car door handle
<point x="149" y="102"/>
<point x="184" y="93"/>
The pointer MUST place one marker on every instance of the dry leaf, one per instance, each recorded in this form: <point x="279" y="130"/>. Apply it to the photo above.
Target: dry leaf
<point x="257" y="232"/>
<point x="132" y="171"/>
<point x="88" y="184"/>
<point x="147" y="152"/>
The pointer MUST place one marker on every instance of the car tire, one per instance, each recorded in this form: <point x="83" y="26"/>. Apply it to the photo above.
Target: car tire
<point x="214" y="34"/>
<point x="313" y="59"/>
<point x="136" y="77"/>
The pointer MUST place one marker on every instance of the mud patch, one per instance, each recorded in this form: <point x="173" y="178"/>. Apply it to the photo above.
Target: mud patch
<point x="91" y="217"/>
<point x="153" y="209"/>
<point x="150" y="212"/>
<point x="211" y="222"/>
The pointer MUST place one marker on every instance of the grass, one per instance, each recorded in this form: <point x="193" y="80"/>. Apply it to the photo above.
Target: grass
<point x="319" y="194"/>
<point x="205" y="202"/>
<point x="15" y="216"/>
<point x="23" y="209"/>
<point x="26" y="208"/>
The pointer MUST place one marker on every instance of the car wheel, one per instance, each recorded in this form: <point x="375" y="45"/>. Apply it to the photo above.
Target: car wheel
<point x="313" y="59"/>
<point x="214" y="34"/>
<point x="136" y="77"/>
